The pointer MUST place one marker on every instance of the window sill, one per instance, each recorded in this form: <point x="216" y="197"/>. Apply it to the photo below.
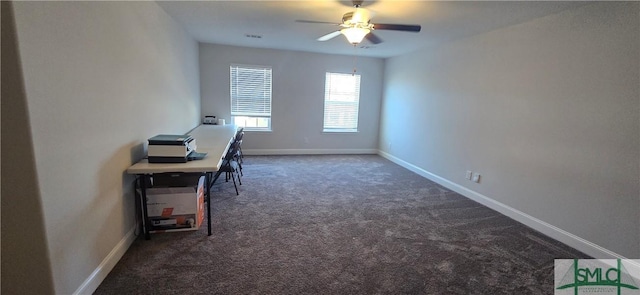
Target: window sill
<point x="340" y="131"/>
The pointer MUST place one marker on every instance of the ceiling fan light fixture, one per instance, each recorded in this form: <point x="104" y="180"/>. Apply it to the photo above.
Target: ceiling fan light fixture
<point x="355" y="35"/>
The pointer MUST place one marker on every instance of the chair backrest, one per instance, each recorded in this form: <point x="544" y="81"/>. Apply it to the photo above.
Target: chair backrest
<point x="239" y="136"/>
<point x="233" y="149"/>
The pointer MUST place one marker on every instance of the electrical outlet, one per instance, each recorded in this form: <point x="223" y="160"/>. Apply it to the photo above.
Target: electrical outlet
<point x="476" y="178"/>
<point x="468" y="175"/>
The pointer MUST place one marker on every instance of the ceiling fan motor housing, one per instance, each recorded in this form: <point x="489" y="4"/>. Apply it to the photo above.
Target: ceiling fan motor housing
<point x="347" y="17"/>
<point x="356" y="19"/>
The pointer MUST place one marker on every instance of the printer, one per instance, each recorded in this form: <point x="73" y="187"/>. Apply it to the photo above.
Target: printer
<point x="169" y="148"/>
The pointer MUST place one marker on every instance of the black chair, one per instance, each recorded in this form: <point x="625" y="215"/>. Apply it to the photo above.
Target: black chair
<point x="238" y="138"/>
<point x="230" y="166"/>
<point x="238" y="155"/>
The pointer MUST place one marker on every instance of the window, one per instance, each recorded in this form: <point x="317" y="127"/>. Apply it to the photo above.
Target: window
<point x="341" y="101"/>
<point x="251" y="97"/>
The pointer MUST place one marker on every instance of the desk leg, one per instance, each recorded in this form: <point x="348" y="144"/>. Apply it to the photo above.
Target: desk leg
<point x="207" y="181"/>
<point x="144" y="178"/>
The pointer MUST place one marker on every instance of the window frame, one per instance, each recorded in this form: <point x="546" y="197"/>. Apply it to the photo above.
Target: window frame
<point x="331" y="127"/>
<point x="253" y="112"/>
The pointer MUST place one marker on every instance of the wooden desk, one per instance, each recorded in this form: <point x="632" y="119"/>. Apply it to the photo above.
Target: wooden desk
<point x="211" y="139"/>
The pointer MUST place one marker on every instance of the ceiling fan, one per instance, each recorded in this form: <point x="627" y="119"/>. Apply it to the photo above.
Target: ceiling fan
<point x="356" y="25"/>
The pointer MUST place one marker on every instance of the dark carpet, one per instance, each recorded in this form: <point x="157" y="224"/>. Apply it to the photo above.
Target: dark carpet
<point x="341" y="224"/>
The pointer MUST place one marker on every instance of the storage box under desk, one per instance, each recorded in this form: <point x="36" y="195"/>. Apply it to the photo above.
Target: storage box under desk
<point x="176" y="179"/>
<point x="175" y="208"/>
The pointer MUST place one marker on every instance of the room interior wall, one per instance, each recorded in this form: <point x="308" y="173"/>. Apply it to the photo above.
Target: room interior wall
<point x="100" y="79"/>
<point x="24" y="247"/>
<point x="546" y="111"/>
<point x="297" y="98"/>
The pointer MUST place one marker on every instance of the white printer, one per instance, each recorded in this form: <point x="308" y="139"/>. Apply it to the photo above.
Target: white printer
<point x="170" y="148"/>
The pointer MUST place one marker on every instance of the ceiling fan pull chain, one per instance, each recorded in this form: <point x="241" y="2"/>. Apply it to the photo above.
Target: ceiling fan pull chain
<point x="355" y="60"/>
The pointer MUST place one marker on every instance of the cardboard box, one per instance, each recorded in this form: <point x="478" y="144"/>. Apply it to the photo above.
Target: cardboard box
<point x="176" y="179"/>
<point x="175" y="208"/>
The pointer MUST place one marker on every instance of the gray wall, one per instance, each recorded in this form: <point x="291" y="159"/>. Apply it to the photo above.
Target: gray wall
<point x="547" y="111"/>
<point x="297" y="98"/>
<point x="100" y="78"/>
<point x="24" y="244"/>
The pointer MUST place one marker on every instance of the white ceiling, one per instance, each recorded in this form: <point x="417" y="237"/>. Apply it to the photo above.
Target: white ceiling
<point x="229" y="22"/>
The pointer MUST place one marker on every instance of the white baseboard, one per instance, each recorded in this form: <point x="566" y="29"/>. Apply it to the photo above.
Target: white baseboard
<point x="545" y="228"/>
<point x="99" y="274"/>
<point x="308" y="151"/>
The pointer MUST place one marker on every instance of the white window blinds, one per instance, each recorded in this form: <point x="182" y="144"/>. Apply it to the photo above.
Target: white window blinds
<point x="341" y="101"/>
<point x="250" y="91"/>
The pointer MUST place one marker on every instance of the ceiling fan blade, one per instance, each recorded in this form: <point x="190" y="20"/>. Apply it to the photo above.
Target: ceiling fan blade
<point x="395" y="27"/>
<point x="329" y="36"/>
<point x="373" y="38"/>
<point x="315" y="22"/>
